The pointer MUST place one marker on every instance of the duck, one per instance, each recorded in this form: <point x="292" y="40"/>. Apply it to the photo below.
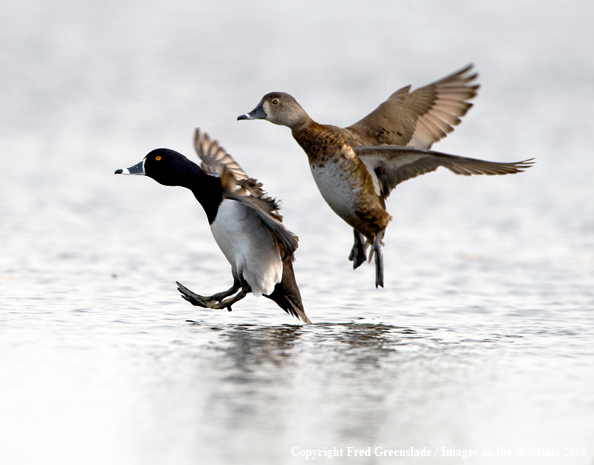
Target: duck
<point x="244" y="220"/>
<point x="357" y="167"/>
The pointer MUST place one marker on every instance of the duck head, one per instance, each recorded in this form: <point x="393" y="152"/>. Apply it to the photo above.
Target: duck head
<point x="279" y="108"/>
<point x="165" y="166"/>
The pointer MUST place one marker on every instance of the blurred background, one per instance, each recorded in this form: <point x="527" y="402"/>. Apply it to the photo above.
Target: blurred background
<point x="483" y="335"/>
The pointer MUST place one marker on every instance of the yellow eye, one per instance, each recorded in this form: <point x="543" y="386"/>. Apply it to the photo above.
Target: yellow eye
<point x="275" y="101"/>
<point x="158" y="157"/>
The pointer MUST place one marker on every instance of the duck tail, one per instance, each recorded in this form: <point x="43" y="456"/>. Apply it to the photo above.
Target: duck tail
<point x="286" y="293"/>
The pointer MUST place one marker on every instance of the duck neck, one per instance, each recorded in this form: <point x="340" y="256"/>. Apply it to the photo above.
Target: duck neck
<point x="207" y="190"/>
<point x="311" y="138"/>
<point x="302" y="124"/>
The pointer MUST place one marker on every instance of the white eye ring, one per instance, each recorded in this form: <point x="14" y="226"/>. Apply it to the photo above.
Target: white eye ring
<point x="274" y="101"/>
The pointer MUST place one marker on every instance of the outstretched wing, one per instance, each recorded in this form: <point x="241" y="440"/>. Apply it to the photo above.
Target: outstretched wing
<point x="393" y="165"/>
<point x="419" y="118"/>
<point x="215" y="158"/>
<point x="248" y="191"/>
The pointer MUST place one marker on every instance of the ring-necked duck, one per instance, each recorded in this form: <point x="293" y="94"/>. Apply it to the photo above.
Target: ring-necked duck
<point x="356" y="168"/>
<point x="244" y="221"/>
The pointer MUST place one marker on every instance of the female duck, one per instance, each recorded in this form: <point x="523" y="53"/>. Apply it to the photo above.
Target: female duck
<point x="244" y="221"/>
<point x="356" y="168"/>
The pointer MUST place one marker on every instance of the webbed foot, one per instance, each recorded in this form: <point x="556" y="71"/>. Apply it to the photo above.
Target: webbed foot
<point x="358" y="255"/>
<point x="215" y="301"/>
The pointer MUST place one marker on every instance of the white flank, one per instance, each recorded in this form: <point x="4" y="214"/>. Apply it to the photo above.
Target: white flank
<point x="337" y="189"/>
<point x="248" y="246"/>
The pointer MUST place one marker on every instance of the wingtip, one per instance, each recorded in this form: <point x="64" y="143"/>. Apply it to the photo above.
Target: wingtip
<point x="199" y="137"/>
<point x="306" y="320"/>
<point x="204" y="145"/>
<point x="469" y="68"/>
<point x="525" y="164"/>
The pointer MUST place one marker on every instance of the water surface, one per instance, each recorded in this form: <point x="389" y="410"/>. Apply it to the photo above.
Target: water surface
<point x="481" y="344"/>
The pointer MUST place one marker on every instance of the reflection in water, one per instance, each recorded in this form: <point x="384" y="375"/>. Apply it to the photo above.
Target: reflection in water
<point x="250" y="347"/>
<point x="254" y="369"/>
<point x="268" y="390"/>
<point x="322" y="385"/>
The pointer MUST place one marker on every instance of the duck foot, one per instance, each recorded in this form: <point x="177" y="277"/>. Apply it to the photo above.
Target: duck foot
<point x="358" y="255"/>
<point x="215" y="301"/>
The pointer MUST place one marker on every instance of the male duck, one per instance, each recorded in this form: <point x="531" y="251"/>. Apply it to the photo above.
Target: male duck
<point x="244" y="221"/>
<point x="356" y="168"/>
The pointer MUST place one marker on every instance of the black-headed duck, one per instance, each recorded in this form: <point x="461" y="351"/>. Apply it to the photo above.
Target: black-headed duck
<point x="356" y="168"/>
<point x="244" y="220"/>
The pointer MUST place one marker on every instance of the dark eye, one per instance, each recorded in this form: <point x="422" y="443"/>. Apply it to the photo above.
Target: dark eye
<point x="275" y="101"/>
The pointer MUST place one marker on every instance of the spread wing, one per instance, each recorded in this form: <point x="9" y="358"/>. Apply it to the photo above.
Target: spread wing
<point x="215" y="158"/>
<point x="393" y="165"/>
<point x="421" y="117"/>
<point x="248" y="191"/>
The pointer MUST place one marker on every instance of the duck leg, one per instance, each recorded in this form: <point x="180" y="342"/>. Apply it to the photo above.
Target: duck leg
<point x="357" y="255"/>
<point x="379" y="261"/>
<point x="215" y="301"/>
<point x="212" y="298"/>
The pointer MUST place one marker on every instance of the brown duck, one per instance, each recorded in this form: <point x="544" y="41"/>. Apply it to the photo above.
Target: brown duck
<point x="357" y="167"/>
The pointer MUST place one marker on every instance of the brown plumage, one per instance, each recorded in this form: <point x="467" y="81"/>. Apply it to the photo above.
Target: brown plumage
<point x="357" y="167"/>
<point x="421" y="117"/>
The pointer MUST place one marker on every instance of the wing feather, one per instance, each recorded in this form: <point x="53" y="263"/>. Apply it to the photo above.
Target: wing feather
<point x="214" y="157"/>
<point x="238" y="186"/>
<point x="395" y="164"/>
<point x="267" y="210"/>
<point x="421" y="117"/>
